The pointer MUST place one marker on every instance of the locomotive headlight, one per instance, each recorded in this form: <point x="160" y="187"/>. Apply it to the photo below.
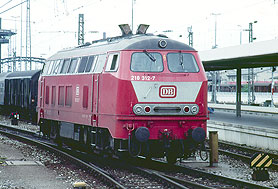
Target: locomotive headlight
<point x="194" y="109"/>
<point x="138" y="109"/>
<point x="162" y="43"/>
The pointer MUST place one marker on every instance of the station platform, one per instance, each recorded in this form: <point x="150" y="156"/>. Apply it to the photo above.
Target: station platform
<point x="257" y="126"/>
<point x="258" y="109"/>
<point x="19" y="171"/>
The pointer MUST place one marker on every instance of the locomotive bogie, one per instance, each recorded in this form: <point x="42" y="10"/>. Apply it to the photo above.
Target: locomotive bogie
<point x="100" y="140"/>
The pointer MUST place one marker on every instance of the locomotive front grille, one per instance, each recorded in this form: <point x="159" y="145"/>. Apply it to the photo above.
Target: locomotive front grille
<point x="166" y="109"/>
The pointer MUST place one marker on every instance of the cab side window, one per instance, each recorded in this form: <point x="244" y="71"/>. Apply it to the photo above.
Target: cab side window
<point x="112" y="63"/>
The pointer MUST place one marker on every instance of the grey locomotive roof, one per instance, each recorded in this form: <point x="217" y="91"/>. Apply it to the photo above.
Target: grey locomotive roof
<point x="131" y="42"/>
<point x="22" y="74"/>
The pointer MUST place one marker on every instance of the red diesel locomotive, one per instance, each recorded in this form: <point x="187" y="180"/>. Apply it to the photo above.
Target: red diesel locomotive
<point x="140" y="94"/>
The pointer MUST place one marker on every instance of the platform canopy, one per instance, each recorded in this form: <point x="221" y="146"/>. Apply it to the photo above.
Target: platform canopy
<point x="252" y="55"/>
<point x="5" y="36"/>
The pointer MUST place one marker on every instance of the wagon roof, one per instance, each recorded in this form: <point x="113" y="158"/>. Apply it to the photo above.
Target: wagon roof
<point x="131" y="42"/>
<point x="23" y="74"/>
<point x="3" y="76"/>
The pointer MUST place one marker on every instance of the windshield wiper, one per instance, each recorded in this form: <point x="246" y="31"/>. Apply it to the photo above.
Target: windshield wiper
<point x="150" y="55"/>
<point x="181" y="60"/>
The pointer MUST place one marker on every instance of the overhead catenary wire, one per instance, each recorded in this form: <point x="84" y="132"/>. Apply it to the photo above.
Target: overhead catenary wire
<point x="6" y="4"/>
<point x="200" y="21"/>
<point x="13" y="7"/>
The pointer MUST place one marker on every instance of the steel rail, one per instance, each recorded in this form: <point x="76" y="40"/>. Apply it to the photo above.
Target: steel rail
<point x="187" y="183"/>
<point x="66" y="153"/>
<point x="236" y="182"/>
<point x="172" y="181"/>
<point x="156" y="175"/>
<point x="199" y="173"/>
<point x="246" y="158"/>
<point x="104" y="176"/>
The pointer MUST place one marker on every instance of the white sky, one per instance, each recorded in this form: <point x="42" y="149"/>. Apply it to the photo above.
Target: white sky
<point x="54" y="23"/>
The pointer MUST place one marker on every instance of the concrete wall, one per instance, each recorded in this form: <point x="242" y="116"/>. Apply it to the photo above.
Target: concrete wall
<point x="245" y="135"/>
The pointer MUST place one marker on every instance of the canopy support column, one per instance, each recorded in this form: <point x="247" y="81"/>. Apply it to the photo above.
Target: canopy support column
<point x="238" y="92"/>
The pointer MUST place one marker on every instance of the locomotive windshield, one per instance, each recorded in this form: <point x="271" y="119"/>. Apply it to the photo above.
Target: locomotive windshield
<point x="146" y="62"/>
<point x="182" y="62"/>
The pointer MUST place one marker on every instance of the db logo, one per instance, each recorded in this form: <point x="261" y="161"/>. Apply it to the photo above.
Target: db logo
<point x="167" y="91"/>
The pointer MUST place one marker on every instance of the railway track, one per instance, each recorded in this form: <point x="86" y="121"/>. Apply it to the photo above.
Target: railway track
<point x="127" y="175"/>
<point x="244" y="153"/>
<point x="140" y="177"/>
<point x="156" y="174"/>
<point x="183" y="173"/>
<point x="54" y="149"/>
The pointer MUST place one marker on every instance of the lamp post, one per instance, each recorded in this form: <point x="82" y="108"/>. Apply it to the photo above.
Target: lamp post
<point x="214" y="77"/>
<point x="251" y="70"/>
<point x="215" y="28"/>
<point x="240" y="35"/>
<point x="14" y="68"/>
<point x="132" y="5"/>
<point x="272" y="86"/>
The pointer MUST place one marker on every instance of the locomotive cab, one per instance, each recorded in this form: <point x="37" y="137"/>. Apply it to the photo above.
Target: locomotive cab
<point x="168" y="102"/>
